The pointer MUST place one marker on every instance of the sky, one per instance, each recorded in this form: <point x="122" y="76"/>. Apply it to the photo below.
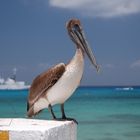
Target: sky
<point x="33" y="37"/>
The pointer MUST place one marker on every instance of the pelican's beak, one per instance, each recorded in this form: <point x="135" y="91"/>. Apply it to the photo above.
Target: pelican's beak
<point x="80" y="37"/>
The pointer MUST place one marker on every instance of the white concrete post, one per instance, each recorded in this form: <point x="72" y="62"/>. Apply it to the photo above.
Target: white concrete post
<point x="31" y="129"/>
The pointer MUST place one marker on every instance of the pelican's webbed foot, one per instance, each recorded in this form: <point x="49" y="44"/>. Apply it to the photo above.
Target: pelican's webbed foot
<point x="70" y="119"/>
<point x="64" y="118"/>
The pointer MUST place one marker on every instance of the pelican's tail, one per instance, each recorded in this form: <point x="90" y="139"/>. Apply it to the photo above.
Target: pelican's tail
<point x="30" y="111"/>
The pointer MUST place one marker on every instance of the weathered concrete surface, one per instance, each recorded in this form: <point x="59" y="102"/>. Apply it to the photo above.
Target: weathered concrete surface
<point x="31" y="129"/>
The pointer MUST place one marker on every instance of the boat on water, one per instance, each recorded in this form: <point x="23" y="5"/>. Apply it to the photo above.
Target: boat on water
<point x="12" y="84"/>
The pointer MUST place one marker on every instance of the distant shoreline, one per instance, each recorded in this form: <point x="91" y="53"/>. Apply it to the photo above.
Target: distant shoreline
<point x="106" y="86"/>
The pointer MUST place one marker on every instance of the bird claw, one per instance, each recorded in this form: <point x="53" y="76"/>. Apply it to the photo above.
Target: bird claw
<point x="66" y="119"/>
<point x="71" y="119"/>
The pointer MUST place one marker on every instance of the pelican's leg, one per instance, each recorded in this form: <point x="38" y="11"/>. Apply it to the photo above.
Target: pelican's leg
<point x="51" y="110"/>
<point x="64" y="116"/>
<point x="63" y="112"/>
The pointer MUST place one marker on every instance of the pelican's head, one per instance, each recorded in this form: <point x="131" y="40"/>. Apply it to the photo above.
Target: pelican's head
<point x="78" y="37"/>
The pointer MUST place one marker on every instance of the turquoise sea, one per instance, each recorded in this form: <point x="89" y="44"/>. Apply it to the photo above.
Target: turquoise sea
<point x="103" y="113"/>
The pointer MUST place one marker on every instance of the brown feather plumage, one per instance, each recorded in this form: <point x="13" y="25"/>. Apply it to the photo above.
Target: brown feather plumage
<point x="42" y="83"/>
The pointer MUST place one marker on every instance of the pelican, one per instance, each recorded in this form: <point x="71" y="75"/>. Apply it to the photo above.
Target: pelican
<point x="58" y="83"/>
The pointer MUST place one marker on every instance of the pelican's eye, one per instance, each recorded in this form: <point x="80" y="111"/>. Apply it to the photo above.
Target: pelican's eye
<point x="76" y="27"/>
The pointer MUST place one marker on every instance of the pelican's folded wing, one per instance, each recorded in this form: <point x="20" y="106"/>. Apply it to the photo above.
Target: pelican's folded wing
<point x="43" y="82"/>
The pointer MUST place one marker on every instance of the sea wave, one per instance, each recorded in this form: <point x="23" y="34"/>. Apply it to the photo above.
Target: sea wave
<point x="125" y="88"/>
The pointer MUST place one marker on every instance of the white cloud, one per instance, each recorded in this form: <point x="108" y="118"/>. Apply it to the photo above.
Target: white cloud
<point x="135" y="64"/>
<point x="99" y="8"/>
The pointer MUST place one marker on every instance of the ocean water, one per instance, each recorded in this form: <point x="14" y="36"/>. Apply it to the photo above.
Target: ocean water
<point x="103" y="113"/>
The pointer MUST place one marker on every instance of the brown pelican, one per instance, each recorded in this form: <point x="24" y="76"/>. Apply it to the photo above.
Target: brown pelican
<point x="57" y="84"/>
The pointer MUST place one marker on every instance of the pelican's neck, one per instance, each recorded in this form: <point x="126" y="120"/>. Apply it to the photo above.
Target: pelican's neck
<point x="77" y="62"/>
